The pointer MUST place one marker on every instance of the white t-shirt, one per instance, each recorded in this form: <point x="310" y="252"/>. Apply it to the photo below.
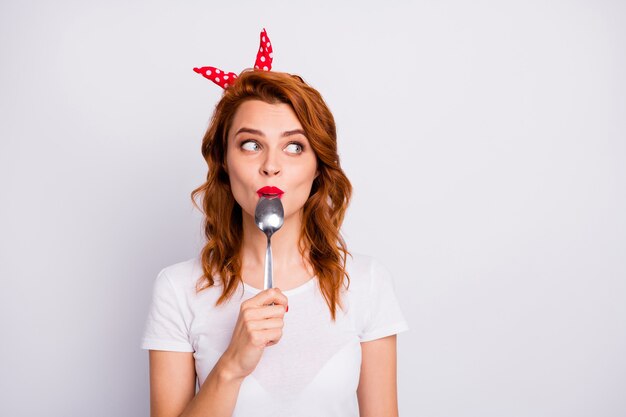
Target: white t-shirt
<point x="314" y="368"/>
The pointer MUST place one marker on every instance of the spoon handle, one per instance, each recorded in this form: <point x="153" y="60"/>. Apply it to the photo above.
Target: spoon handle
<point x="267" y="280"/>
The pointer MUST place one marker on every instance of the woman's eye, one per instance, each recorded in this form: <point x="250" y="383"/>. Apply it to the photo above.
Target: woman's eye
<point x="294" y="148"/>
<point x="250" y="145"/>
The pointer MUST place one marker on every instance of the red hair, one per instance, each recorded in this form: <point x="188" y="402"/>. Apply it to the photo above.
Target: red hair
<point x="323" y="212"/>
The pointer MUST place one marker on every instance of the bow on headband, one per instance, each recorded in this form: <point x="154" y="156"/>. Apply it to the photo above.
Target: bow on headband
<point x="264" y="58"/>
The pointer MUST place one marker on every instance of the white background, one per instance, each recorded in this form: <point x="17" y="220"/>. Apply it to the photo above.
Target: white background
<point x="485" y="141"/>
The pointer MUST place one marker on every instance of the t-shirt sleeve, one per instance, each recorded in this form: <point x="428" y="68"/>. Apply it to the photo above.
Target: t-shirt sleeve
<point x="384" y="316"/>
<point x="165" y="327"/>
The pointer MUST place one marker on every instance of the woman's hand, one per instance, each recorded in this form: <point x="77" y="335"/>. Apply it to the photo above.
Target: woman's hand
<point x="258" y="325"/>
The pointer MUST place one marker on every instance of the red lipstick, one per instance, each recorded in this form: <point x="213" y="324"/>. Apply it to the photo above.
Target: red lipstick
<point x="270" y="192"/>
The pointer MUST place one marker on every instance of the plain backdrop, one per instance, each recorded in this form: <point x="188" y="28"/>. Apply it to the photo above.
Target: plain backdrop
<point x="485" y="141"/>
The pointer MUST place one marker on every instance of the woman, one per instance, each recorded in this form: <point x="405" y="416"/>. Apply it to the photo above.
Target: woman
<point x="323" y="341"/>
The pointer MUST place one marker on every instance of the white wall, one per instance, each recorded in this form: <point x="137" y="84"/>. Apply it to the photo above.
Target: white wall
<point x="485" y="141"/>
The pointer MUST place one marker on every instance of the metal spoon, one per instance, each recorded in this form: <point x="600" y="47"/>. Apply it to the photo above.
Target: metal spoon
<point x="269" y="217"/>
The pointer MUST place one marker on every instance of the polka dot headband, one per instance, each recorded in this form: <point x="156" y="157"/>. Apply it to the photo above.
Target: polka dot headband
<point x="263" y="62"/>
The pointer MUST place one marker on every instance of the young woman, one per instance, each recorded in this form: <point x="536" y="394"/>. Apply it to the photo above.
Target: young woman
<point x="322" y="342"/>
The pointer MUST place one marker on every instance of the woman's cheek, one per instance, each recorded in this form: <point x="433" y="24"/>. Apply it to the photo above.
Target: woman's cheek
<point x="295" y="202"/>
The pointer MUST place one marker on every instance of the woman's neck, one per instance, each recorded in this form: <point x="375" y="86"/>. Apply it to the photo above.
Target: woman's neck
<point x="289" y="267"/>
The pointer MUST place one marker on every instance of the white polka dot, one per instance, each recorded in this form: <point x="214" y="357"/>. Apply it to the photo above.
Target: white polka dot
<point x="234" y="76"/>
<point x="265" y="69"/>
<point x="256" y="67"/>
<point x="217" y="71"/>
<point x="225" y="77"/>
<point x="268" y="45"/>
<point x="263" y="38"/>
<point x="208" y="72"/>
<point x="217" y="79"/>
<point x="225" y="85"/>
<point x="261" y="49"/>
<point x="271" y="54"/>
<point x="262" y="59"/>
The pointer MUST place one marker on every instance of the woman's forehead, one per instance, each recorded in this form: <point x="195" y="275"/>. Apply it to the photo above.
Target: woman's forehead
<point x="264" y="117"/>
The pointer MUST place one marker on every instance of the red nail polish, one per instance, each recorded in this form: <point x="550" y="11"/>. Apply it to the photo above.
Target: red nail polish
<point x="287" y="309"/>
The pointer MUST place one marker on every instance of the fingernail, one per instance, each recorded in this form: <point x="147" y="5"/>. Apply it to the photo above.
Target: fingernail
<point x="287" y="309"/>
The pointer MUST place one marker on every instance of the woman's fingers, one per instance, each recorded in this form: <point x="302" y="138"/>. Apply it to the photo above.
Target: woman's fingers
<point x="261" y="338"/>
<point x="259" y="325"/>
<point x="266" y="297"/>
<point x="272" y="336"/>
<point x="265" y="312"/>
<point x="266" y="324"/>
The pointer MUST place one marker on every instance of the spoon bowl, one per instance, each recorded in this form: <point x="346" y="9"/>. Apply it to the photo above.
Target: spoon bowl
<point x="269" y="215"/>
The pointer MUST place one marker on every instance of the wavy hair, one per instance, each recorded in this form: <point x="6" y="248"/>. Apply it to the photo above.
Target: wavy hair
<point x="323" y="212"/>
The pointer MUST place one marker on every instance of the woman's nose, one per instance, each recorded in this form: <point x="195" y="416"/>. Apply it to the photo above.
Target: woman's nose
<point x="270" y="165"/>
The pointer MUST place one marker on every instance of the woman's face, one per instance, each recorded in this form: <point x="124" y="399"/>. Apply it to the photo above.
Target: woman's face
<point x="267" y="148"/>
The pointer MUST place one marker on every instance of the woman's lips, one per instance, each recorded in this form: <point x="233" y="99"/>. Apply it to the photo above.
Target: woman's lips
<point x="270" y="191"/>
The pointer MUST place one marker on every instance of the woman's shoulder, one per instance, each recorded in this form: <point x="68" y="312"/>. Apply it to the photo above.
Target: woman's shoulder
<point x="360" y="263"/>
<point x="364" y="270"/>
<point x="183" y="273"/>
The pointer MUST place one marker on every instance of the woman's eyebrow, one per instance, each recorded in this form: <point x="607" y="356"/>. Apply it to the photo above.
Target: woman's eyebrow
<point x="294" y="132"/>
<point x="248" y="130"/>
<point x="258" y="132"/>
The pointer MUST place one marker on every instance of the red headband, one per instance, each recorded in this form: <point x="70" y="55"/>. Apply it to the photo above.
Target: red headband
<point x="264" y="58"/>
